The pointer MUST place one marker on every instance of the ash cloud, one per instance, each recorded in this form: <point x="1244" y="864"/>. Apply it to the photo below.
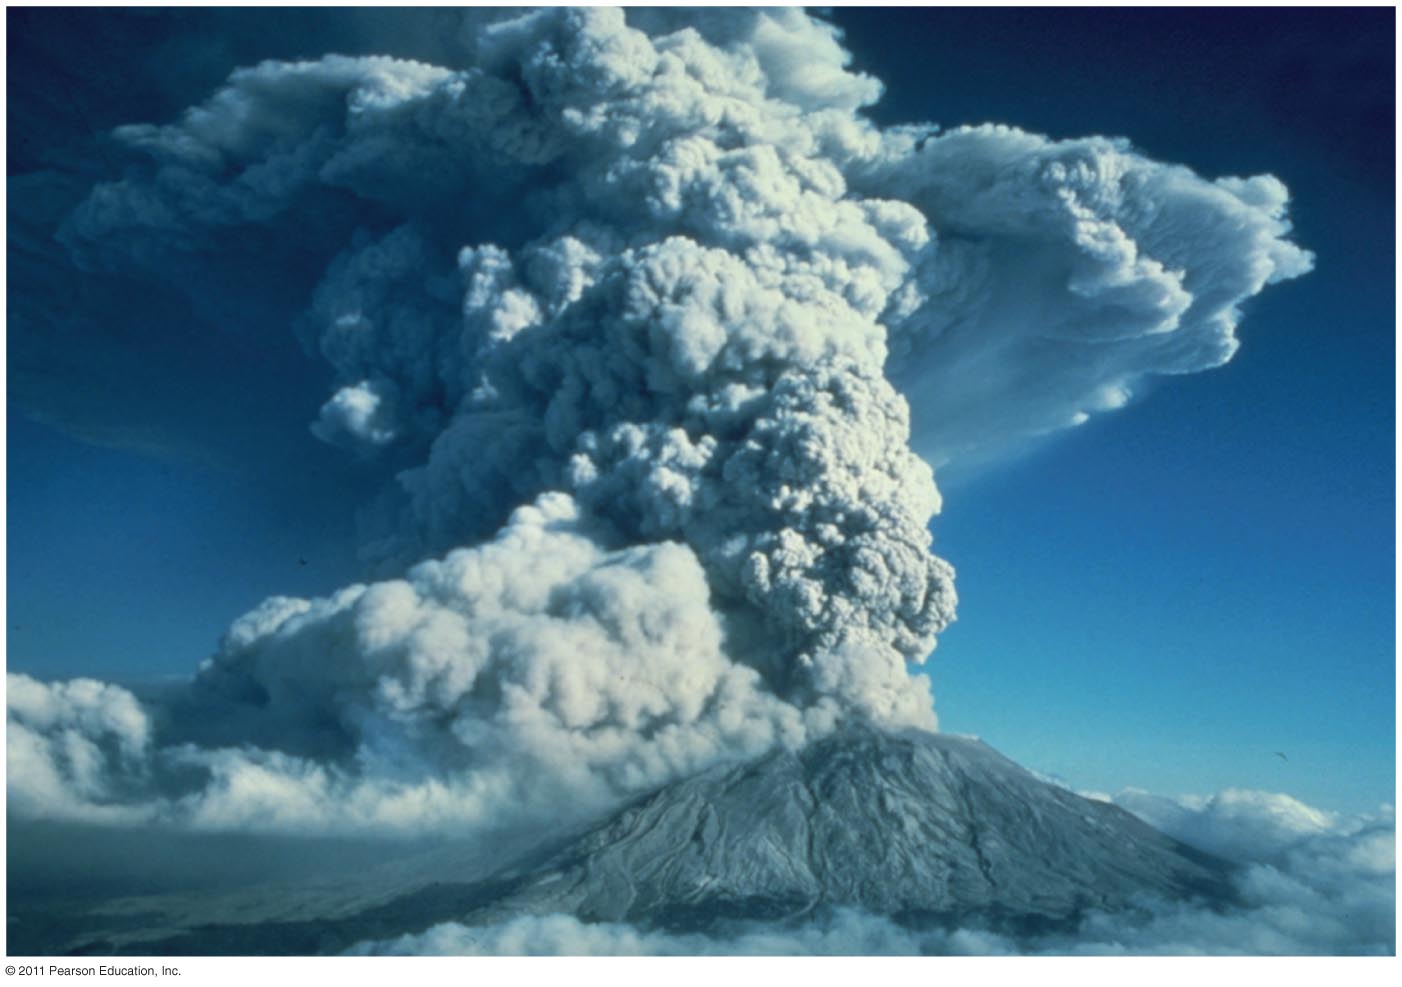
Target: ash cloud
<point x="1067" y="273"/>
<point x="635" y="309"/>
<point x="481" y="690"/>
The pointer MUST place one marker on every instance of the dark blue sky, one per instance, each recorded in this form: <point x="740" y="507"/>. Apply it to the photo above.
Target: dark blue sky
<point x="1161" y="599"/>
<point x="1168" y="595"/>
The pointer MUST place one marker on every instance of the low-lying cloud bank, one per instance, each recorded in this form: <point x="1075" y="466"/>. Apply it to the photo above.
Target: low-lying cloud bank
<point x="1314" y="883"/>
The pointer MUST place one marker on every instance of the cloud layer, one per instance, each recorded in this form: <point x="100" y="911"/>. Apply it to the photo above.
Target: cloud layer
<point x="634" y="309"/>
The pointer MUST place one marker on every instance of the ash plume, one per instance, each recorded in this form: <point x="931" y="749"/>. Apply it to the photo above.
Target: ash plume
<point x="636" y="308"/>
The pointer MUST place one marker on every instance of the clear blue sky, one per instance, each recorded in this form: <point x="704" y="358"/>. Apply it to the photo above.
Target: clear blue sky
<point x="1162" y="599"/>
<point x="1169" y="595"/>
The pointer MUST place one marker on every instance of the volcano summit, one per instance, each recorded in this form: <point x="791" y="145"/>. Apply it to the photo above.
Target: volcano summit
<point x="913" y="825"/>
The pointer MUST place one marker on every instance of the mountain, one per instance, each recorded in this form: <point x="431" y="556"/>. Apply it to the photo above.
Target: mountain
<point x="927" y="829"/>
<point x="914" y="825"/>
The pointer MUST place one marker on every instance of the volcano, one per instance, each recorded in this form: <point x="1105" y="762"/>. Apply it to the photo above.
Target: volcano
<point x="912" y="825"/>
<point x="929" y="830"/>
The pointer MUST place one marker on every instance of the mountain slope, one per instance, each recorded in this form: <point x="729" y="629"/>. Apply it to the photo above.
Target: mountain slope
<point x="926" y="829"/>
<point x="905" y="825"/>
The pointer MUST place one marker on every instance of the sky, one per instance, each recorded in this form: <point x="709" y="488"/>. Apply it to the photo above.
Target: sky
<point x="1225" y="546"/>
<point x="1161" y="598"/>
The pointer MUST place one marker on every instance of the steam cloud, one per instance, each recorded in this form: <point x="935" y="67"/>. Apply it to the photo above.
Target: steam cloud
<point x="645" y="307"/>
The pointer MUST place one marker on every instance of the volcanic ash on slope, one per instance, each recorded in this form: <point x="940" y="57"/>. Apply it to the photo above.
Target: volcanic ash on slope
<point x="912" y="825"/>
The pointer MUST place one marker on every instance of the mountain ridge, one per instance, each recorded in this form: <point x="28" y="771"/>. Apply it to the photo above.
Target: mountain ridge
<point x="908" y="824"/>
<point x="926" y="829"/>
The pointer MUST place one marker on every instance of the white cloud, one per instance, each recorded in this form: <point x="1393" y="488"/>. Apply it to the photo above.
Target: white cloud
<point x="844" y="933"/>
<point x="357" y="414"/>
<point x="1236" y="823"/>
<point x="71" y="746"/>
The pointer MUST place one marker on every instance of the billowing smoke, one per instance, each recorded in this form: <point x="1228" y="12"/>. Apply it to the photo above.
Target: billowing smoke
<point x="636" y="310"/>
<point x="1065" y="274"/>
<point x="477" y="691"/>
